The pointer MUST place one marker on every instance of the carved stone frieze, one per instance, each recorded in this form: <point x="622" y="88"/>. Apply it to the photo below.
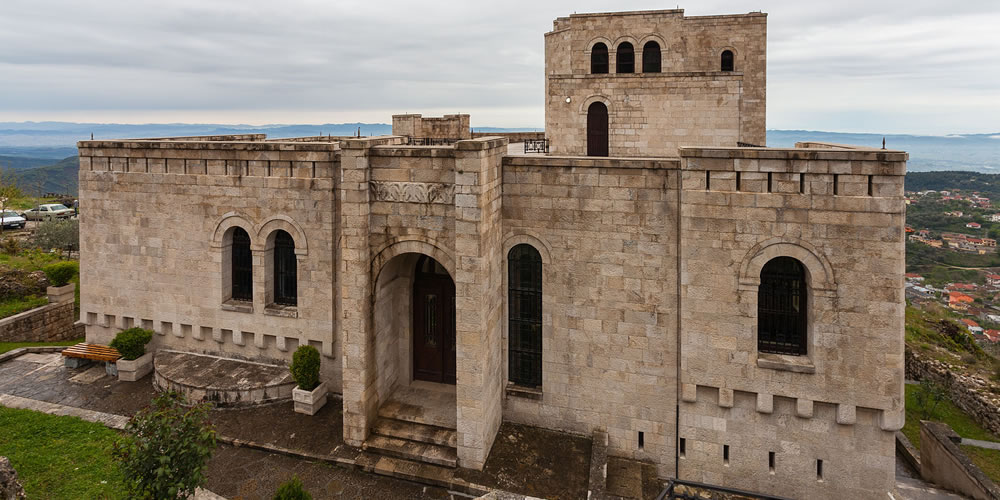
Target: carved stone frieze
<point x="412" y="192"/>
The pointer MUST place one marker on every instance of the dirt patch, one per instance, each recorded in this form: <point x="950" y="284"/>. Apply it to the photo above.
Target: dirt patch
<point x="629" y="478"/>
<point x="279" y="425"/>
<point x="536" y="462"/>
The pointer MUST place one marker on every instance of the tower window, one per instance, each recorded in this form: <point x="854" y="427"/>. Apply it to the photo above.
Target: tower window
<point x="524" y="316"/>
<point x="599" y="59"/>
<point x="625" y="58"/>
<point x="651" y="57"/>
<point x="781" y="307"/>
<point x="727" y="60"/>
<point x="242" y="262"/>
<point x="285" y="270"/>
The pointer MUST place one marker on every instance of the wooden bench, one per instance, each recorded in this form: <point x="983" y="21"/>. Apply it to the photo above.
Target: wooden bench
<point x="78" y="355"/>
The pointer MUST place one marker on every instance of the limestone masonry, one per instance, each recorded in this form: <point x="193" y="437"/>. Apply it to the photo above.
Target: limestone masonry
<point x="732" y="314"/>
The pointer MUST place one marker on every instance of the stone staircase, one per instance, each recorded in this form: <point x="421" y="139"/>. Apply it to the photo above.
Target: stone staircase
<point x="401" y="434"/>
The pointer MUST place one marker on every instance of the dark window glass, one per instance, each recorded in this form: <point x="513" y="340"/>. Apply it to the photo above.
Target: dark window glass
<point x="524" y="304"/>
<point x="599" y="59"/>
<point x="781" y="307"/>
<point x="242" y="272"/>
<point x="727" y="60"/>
<point x="285" y="272"/>
<point x="625" y="59"/>
<point x="651" y="57"/>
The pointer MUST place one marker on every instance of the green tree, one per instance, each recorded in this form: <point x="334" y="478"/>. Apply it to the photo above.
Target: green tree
<point x="58" y="234"/>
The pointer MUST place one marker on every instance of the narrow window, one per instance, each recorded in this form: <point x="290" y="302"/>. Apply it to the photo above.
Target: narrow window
<point x="802" y="183"/>
<point x="651" y="57"/>
<point x="870" y="187"/>
<point x="641" y="441"/>
<point x="727" y="60"/>
<point x="738" y="181"/>
<point x="708" y="180"/>
<point x="242" y="261"/>
<point x="725" y="455"/>
<point x="836" y="182"/>
<point x="599" y="59"/>
<point x="781" y="307"/>
<point x="524" y="316"/>
<point x="625" y="58"/>
<point x="770" y="461"/>
<point x="682" y="448"/>
<point x="285" y="270"/>
<point x="769" y="182"/>
<point x="819" y="469"/>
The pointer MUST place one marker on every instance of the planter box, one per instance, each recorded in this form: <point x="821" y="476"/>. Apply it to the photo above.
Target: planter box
<point x="130" y="371"/>
<point x="309" y="402"/>
<point x="60" y="294"/>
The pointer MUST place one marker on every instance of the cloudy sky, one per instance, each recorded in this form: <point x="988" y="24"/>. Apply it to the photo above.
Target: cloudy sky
<point x="883" y="66"/>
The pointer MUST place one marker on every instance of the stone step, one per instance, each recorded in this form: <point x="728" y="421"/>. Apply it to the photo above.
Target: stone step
<point x="412" y="431"/>
<point x="412" y="450"/>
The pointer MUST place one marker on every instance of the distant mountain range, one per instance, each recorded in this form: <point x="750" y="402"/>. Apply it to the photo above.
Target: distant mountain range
<point x="43" y="154"/>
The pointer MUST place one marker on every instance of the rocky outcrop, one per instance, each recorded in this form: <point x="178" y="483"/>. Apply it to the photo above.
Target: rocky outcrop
<point x="974" y="395"/>
<point x="10" y="488"/>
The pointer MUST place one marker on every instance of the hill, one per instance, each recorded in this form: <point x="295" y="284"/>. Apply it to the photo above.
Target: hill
<point x="987" y="185"/>
<point x="61" y="177"/>
<point x="19" y="163"/>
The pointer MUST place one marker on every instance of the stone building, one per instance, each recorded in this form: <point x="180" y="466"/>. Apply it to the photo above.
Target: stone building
<point x="732" y="314"/>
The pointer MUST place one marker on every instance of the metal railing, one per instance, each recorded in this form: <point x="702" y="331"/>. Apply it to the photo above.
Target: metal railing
<point x="429" y="141"/>
<point x="536" y="146"/>
<point x="669" y="492"/>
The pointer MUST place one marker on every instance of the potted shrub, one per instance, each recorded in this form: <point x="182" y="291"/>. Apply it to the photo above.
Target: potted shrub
<point x="135" y="362"/>
<point x="310" y="395"/>
<point x="60" y="275"/>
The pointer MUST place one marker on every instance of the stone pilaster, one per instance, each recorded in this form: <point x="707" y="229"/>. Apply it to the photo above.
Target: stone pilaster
<point x="478" y="291"/>
<point x="355" y="325"/>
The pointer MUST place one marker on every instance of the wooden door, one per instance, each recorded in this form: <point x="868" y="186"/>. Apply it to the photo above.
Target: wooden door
<point x="433" y="323"/>
<point x="597" y="130"/>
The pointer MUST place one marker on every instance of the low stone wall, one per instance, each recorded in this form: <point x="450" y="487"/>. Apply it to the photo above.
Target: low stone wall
<point x="971" y="394"/>
<point x="943" y="463"/>
<point x="47" y="323"/>
<point x="511" y="136"/>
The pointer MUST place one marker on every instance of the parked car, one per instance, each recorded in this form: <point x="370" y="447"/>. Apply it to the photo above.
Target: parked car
<point x="49" y="211"/>
<point x="12" y="220"/>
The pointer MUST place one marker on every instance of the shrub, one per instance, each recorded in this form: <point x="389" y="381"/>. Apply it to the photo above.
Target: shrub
<point x="131" y="343"/>
<point x="18" y="283"/>
<point x="59" y="234"/>
<point x="165" y="449"/>
<point x="61" y="273"/>
<point x="10" y="245"/>
<point x="928" y="396"/>
<point x="305" y="367"/>
<point x="292" y="490"/>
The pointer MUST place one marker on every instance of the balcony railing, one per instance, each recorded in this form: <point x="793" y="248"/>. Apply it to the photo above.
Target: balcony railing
<point x="536" y="146"/>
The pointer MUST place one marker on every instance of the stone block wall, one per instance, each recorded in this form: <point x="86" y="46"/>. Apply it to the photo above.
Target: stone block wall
<point x="651" y="114"/>
<point x="972" y="394"/>
<point x="841" y="214"/>
<point x="454" y="127"/>
<point x="48" y="323"/>
<point x="159" y="212"/>
<point x="606" y="230"/>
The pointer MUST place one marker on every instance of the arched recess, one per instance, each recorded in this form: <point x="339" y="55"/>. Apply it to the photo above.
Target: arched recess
<point x="818" y="269"/>
<point x="590" y="45"/>
<point x="720" y="58"/>
<point x="414" y="245"/>
<point x="227" y="222"/>
<point x="585" y="105"/>
<point x="531" y="238"/>
<point x="599" y="63"/>
<point x="265" y="234"/>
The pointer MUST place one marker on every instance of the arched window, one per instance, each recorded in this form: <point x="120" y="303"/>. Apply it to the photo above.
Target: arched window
<point x="625" y="59"/>
<point x="782" y="313"/>
<point x="599" y="59"/>
<point x="651" y="57"/>
<point x="285" y="270"/>
<point x="727" y="60"/>
<point x="524" y="316"/>
<point x="242" y="265"/>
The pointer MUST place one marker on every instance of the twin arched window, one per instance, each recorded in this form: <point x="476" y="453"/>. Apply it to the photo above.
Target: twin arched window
<point x="599" y="59"/>
<point x="625" y="58"/>
<point x="285" y="268"/>
<point x="651" y="57"/>
<point x="782" y="312"/>
<point x="524" y="316"/>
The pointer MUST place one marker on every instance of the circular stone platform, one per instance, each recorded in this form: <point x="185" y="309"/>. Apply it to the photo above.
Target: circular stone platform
<point x="221" y="381"/>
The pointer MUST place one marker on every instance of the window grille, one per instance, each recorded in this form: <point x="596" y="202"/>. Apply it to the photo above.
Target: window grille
<point x="285" y="270"/>
<point x="524" y="304"/>
<point x="625" y="58"/>
<point x="242" y="261"/>
<point x="781" y="307"/>
<point x="651" y="57"/>
<point x="599" y="59"/>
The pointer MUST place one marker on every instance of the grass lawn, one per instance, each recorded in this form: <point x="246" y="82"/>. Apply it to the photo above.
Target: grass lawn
<point x="19" y="305"/>
<point x="60" y="457"/>
<point x="10" y="346"/>
<point x="962" y="424"/>
<point x="29" y="260"/>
